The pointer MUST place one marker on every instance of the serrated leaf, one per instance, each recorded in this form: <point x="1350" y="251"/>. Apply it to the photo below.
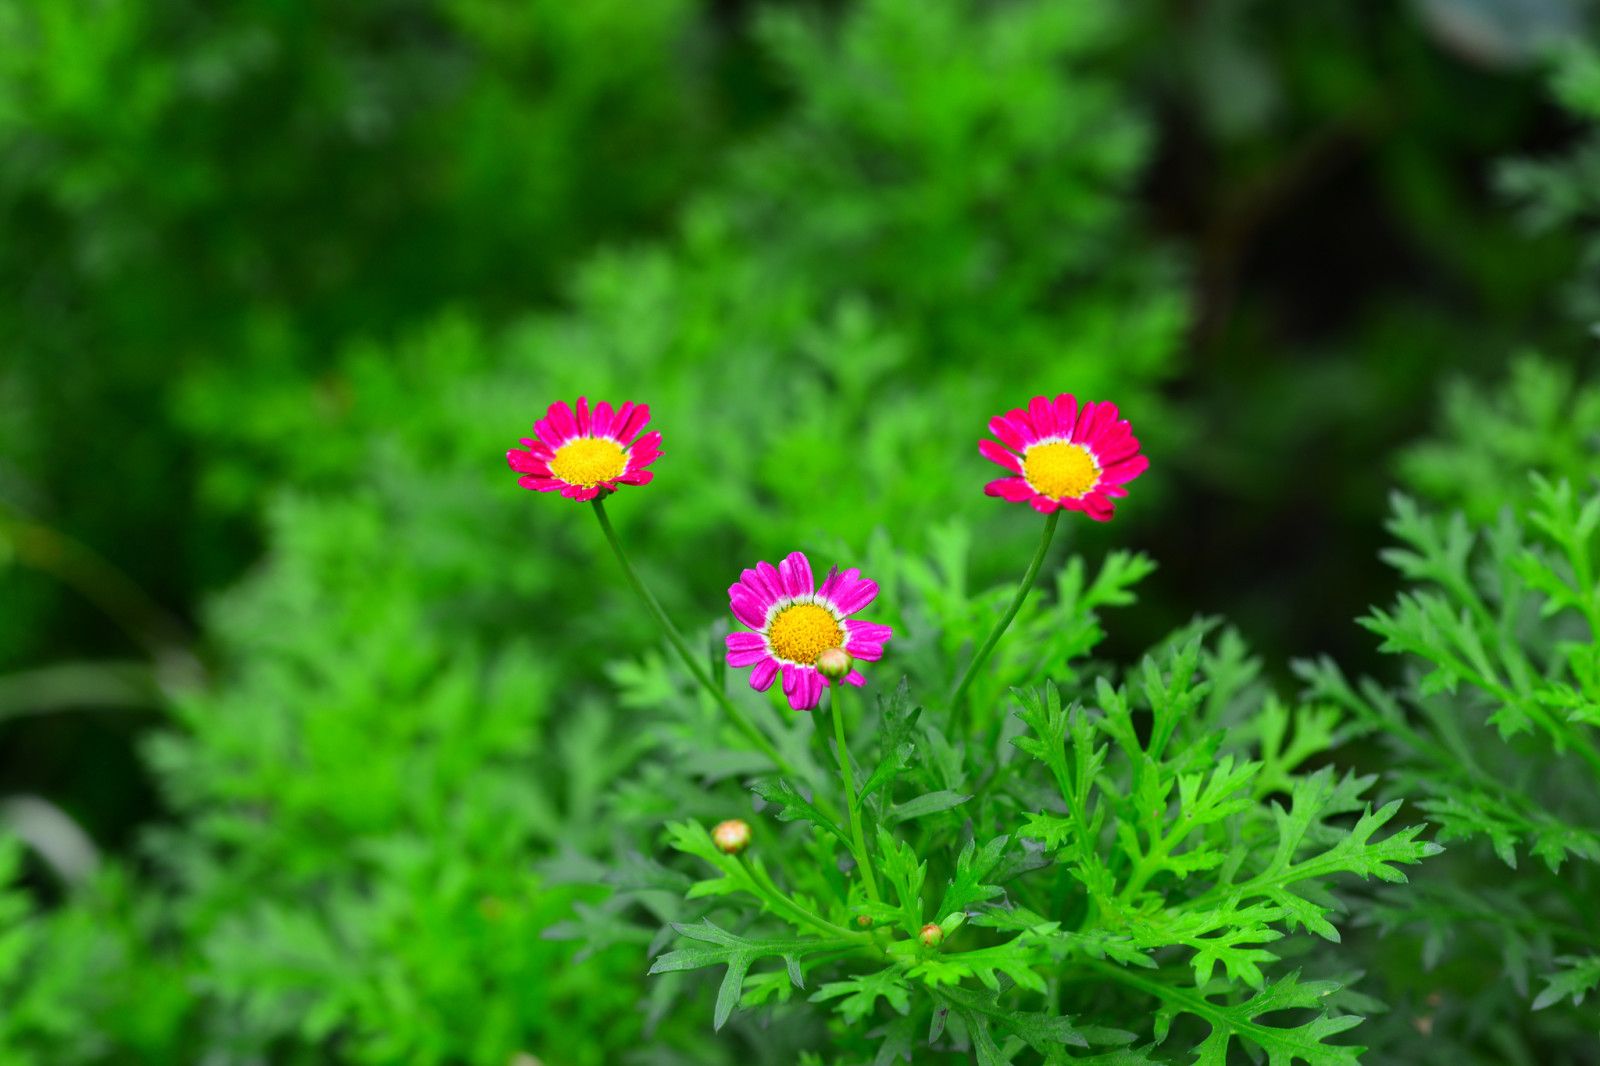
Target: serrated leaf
<point x="862" y="993"/>
<point x="794" y="807"/>
<point x="972" y="866"/>
<point x="1283" y="1045"/>
<point x="1579" y="976"/>
<point x="737" y="953"/>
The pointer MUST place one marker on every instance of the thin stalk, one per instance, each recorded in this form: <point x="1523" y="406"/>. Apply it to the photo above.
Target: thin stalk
<point x="738" y="717"/>
<point x="957" y="701"/>
<point x="862" y="855"/>
<point x="777" y="899"/>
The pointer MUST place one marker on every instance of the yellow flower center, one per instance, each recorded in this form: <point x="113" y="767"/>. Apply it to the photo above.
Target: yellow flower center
<point x="588" y="461"/>
<point x="803" y="631"/>
<point x="1060" y="469"/>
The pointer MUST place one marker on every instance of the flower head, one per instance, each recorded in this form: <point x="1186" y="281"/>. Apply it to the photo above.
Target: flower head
<point x="793" y="623"/>
<point x="1064" y="455"/>
<point x="587" y="453"/>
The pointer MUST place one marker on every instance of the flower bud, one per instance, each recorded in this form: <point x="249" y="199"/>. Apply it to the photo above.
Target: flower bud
<point x="731" y="837"/>
<point x="834" y="664"/>
<point x="863" y="920"/>
<point x="931" y="936"/>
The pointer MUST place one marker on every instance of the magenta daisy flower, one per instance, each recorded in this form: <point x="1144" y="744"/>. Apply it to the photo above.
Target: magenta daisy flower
<point x="1064" y="456"/>
<point x="587" y="453"/>
<point x="794" y="622"/>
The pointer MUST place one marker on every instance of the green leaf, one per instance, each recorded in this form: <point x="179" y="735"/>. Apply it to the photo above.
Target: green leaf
<point x="972" y="866"/>
<point x="737" y="953"/>
<point x="922" y="806"/>
<point x="1283" y="1045"/>
<point x="906" y="874"/>
<point x="794" y="807"/>
<point x="1580" y="976"/>
<point x="862" y="993"/>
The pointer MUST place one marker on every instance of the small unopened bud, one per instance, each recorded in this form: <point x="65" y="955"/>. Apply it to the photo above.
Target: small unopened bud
<point x="834" y="664"/>
<point x="863" y="920"/>
<point x="931" y="936"/>
<point x="731" y="837"/>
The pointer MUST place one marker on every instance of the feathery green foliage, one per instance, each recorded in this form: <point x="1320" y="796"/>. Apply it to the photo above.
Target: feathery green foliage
<point x="1113" y="878"/>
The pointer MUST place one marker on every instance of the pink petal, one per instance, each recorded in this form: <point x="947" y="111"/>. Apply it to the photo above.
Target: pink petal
<point x="1015" y="489"/>
<point x="538" y="447"/>
<point x="601" y="421"/>
<point x="797" y="686"/>
<point x="1044" y="504"/>
<point x="1112" y="449"/>
<point x="855" y="678"/>
<point x="549" y="434"/>
<point x="1104" y="418"/>
<point x="627" y="426"/>
<point x="755" y="586"/>
<point x="1113" y="490"/>
<point x="761" y="677"/>
<point x="1080" y="432"/>
<point x="1125" y="471"/>
<point x="1022" y="425"/>
<point x="649" y="444"/>
<point x="583" y="417"/>
<point x="795" y="572"/>
<point x="746" y="607"/>
<point x="865" y="650"/>
<point x="1043" y="413"/>
<point x="994" y="453"/>
<point x="769" y="581"/>
<point x="524" y="462"/>
<point x="747" y="656"/>
<point x="1098" y="507"/>
<point x="874" y="632"/>
<point x="540" y="484"/>
<point x="1066" y="411"/>
<point x="852" y="592"/>
<point x="1007" y="433"/>
<point x="581" y="492"/>
<point x="640" y="477"/>
<point x="560" y="416"/>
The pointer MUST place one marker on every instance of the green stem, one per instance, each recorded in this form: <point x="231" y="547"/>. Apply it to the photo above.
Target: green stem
<point x="957" y="701"/>
<point x="863" y="857"/>
<point x="778" y="900"/>
<point x="739" y="718"/>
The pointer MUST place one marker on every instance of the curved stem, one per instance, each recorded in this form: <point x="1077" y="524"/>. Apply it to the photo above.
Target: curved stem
<point x="869" y="879"/>
<point x="778" y="900"/>
<point x="957" y="701"/>
<point x="738" y="717"/>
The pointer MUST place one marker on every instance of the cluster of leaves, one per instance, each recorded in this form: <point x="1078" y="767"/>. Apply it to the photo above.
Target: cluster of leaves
<point x="193" y="194"/>
<point x="1561" y="194"/>
<point x="1495" y="730"/>
<point x="1542" y="418"/>
<point x="1105" y="854"/>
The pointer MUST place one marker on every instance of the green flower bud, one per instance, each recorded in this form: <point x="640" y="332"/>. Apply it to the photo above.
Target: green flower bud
<point x="834" y="664"/>
<point x="731" y="837"/>
<point x="931" y="936"/>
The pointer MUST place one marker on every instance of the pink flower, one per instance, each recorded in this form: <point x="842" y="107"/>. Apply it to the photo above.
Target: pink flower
<point x="588" y="453"/>
<point x="793" y="622"/>
<point x="1064" y="456"/>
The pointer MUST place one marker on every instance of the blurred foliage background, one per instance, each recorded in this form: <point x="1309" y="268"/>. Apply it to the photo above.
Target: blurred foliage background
<point x="296" y="684"/>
